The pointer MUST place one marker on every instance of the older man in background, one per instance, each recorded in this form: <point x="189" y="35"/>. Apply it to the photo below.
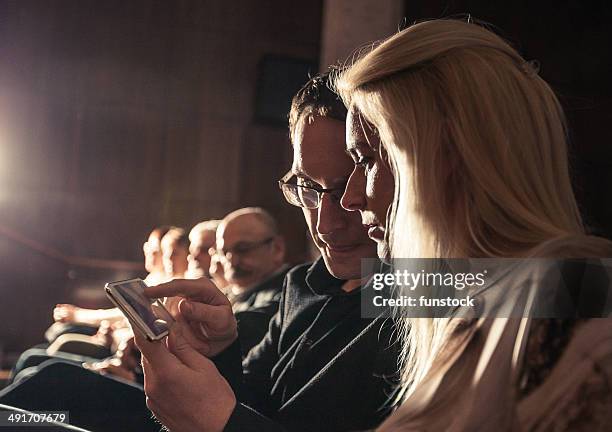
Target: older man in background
<point x="252" y="254"/>
<point x="202" y="238"/>
<point x="253" y="257"/>
<point x="175" y="249"/>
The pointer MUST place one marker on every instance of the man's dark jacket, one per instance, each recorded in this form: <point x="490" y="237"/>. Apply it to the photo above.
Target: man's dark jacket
<point x="320" y="367"/>
<point x="254" y="309"/>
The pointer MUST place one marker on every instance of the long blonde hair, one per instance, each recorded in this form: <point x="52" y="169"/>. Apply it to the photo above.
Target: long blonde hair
<point x="477" y="144"/>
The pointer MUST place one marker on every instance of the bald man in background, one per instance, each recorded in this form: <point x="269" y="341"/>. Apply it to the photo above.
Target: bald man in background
<point x="253" y="256"/>
<point x="252" y="253"/>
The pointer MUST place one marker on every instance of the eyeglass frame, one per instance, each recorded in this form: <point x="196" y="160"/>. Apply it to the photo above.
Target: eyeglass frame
<point x="241" y="251"/>
<point x="319" y="191"/>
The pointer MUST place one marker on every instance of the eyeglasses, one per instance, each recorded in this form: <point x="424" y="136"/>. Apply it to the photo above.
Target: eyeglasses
<point x="306" y="196"/>
<point x="240" y="249"/>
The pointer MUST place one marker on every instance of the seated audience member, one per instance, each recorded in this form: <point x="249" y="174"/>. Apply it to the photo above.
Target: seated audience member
<point x="203" y="259"/>
<point x="202" y="238"/>
<point x="69" y="336"/>
<point x="105" y="396"/>
<point x="320" y="366"/>
<point x="175" y="249"/>
<point x="259" y="271"/>
<point x="252" y="253"/>
<point x="473" y="142"/>
<point x="125" y="363"/>
<point x="74" y="315"/>
<point x="153" y="256"/>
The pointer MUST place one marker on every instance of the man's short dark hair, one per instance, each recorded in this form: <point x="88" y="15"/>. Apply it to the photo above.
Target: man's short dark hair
<point x="316" y="98"/>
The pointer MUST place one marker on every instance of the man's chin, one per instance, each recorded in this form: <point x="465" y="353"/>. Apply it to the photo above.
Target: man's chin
<point x="345" y="269"/>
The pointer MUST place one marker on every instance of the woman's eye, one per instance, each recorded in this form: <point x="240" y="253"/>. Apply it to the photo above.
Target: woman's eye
<point x="361" y="160"/>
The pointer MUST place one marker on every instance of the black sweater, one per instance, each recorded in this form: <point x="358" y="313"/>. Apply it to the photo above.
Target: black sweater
<point x="254" y="309"/>
<point x="320" y="367"/>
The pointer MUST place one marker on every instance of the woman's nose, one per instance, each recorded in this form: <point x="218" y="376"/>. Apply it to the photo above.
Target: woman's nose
<point x="353" y="198"/>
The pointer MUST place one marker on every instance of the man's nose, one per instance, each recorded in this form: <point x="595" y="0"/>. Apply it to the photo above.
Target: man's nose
<point x="353" y="198"/>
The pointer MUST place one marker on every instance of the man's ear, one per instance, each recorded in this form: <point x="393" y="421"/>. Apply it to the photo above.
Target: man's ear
<point x="278" y="245"/>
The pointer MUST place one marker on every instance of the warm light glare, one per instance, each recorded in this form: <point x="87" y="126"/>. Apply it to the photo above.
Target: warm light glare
<point x="4" y="164"/>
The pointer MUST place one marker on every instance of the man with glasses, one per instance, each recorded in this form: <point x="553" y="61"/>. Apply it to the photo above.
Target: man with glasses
<point x="250" y="250"/>
<point x="320" y="366"/>
<point x="252" y="254"/>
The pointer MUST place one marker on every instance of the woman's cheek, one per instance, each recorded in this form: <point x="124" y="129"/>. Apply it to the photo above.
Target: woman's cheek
<point x="371" y="183"/>
<point x="375" y="191"/>
<point x="382" y="188"/>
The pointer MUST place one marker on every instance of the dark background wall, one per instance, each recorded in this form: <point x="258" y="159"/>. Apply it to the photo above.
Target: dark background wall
<point x="116" y="116"/>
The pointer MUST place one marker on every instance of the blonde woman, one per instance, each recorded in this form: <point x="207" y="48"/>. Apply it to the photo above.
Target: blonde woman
<point x="460" y="152"/>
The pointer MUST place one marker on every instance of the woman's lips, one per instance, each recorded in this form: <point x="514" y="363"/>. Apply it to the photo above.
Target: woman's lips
<point x="376" y="232"/>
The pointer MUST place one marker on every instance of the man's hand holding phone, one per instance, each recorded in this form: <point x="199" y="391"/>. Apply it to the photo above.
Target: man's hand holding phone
<point x="203" y="312"/>
<point x="184" y="389"/>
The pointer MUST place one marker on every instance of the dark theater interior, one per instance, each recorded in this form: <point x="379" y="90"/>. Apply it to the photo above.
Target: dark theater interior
<point x="117" y="117"/>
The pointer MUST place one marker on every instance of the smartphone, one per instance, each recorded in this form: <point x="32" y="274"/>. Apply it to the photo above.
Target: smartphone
<point x="149" y="316"/>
